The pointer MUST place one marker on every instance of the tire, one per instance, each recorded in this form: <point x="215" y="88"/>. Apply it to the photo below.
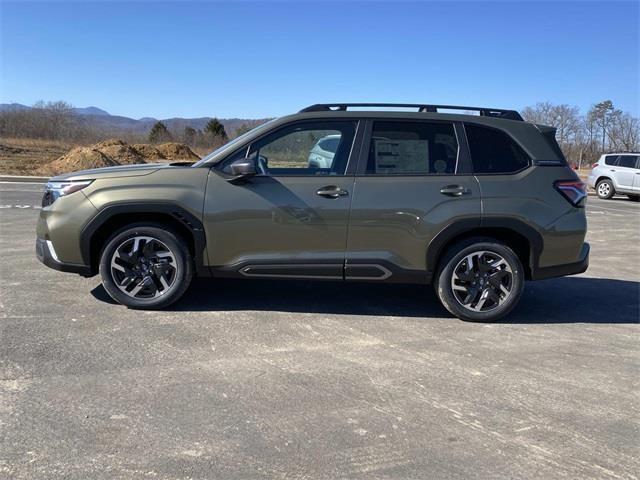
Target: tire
<point x="634" y="198"/>
<point x="605" y="189"/>
<point x="146" y="266"/>
<point x="500" y="275"/>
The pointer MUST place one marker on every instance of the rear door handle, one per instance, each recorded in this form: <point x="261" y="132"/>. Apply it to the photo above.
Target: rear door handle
<point x="332" y="191"/>
<point x="454" y="190"/>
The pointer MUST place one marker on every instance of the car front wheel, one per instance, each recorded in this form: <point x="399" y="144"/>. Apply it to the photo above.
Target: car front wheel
<point x="480" y="280"/>
<point x="146" y="267"/>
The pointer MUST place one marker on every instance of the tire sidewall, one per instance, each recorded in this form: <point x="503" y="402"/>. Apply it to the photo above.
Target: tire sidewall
<point x="451" y="260"/>
<point x="172" y="241"/>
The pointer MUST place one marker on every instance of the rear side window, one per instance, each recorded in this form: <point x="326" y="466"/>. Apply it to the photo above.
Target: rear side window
<point x="628" y="161"/>
<point x="610" y="159"/>
<point x="493" y="151"/>
<point x="413" y="148"/>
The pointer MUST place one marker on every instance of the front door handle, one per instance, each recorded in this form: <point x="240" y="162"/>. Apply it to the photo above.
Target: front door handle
<point x="454" y="190"/>
<point x="332" y="191"/>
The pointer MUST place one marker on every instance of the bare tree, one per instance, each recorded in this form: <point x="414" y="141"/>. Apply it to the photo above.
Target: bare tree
<point x="624" y="132"/>
<point x="602" y="113"/>
<point x="565" y="118"/>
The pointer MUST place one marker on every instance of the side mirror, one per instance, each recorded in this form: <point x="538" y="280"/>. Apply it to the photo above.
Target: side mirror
<point x="243" y="167"/>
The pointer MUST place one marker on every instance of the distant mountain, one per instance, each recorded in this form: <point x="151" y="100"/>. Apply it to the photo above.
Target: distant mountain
<point x="90" y="111"/>
<point x="100" y="119"/>
<point x="6" y="107"/>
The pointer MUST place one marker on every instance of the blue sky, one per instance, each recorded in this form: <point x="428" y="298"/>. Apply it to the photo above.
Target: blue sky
<point x="250" y="60"/>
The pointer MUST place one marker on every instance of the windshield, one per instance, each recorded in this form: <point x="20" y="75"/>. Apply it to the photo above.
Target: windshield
<point x="231" y="144"/>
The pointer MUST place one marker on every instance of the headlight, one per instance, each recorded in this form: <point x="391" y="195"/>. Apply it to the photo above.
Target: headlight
<point x="60" y="189"/>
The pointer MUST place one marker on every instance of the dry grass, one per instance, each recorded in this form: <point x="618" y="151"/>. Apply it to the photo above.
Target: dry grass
<point x="20" y="156"/>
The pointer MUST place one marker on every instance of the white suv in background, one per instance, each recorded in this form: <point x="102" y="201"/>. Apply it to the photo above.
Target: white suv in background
<point x="616" y="173"/>
<point x="322" y="153"/>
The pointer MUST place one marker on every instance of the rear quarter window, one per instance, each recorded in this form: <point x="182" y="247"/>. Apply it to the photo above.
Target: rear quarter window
<point x="493" y="151"/>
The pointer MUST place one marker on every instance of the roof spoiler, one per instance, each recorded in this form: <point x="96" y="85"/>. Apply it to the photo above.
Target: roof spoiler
<point x="483" y="111"/>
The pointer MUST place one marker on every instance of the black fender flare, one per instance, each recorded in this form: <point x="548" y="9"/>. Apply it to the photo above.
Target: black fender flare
<point x="439" y="243"/>
<point x="184" y="217"/>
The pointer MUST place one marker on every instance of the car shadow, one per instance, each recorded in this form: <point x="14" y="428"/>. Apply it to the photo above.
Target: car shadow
<point x="561" y="300"/>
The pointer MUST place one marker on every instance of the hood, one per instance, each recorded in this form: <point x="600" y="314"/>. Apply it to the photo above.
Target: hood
<point x="118" y="171"/>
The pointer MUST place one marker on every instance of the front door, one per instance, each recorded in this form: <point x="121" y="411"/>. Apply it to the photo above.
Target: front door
<point x="290" y="220"/>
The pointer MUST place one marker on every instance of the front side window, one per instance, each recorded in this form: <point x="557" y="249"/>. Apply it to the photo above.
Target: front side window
<point x="412" y="148"/>
<point x="493" y="151"/>
<point x="628" y="161"/>
<point x="318" y="148"/>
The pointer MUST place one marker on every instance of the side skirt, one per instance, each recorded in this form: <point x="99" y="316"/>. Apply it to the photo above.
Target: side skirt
<point x="360" y="271"/>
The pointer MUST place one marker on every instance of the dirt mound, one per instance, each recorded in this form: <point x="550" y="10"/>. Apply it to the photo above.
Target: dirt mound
<point x="112" y="142"/>
<point x="149" y="152"/>
<point x="122" y="154"/>
<point x="116" y="152"/>
<point x="177" y="151"/>
<point x="79" y="158"/>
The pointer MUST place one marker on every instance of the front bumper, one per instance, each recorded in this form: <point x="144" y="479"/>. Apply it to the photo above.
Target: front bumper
<point x="47" y="255"/>
<point x="566" y="269"/>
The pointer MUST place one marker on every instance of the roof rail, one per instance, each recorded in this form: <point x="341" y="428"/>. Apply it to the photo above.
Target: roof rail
<point x="483" y="111"/>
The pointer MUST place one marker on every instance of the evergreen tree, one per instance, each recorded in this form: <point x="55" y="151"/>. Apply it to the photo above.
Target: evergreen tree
<point x="159" y="133"/>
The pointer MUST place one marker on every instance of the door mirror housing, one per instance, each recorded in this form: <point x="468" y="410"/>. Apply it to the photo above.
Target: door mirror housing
<point x="243" y="167"/>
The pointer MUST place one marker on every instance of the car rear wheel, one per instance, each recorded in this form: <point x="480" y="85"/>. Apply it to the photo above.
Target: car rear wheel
<point x="146" y="267"/>
<point x="605" y="189"/>
<point x="480" y="280"/>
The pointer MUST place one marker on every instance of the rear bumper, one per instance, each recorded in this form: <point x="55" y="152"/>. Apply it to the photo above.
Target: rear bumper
<point x="47" y="255"/>
<point x="566" y="269"/>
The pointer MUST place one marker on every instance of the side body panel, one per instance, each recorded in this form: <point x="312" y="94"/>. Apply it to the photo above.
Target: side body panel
<point x="276" y="220"/>
<point x="624" y="177"/>
<point x="529" y="197"/>
<point x="181" y="189"/>
<point x="394" y="219"/>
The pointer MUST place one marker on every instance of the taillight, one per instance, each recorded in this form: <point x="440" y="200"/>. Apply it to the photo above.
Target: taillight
<point x="574" y="191"/>
<point x="594" y="165"/>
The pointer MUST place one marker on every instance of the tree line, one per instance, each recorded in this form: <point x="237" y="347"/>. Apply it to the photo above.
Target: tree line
<point x="44" y="120"/>
<point x="212" y="135"/>
<point x="584" y="137"/>
<point x="59" y="122"/>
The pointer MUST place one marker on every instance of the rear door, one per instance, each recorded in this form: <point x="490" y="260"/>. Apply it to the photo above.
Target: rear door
<point x="290" y="220"/>
<point x="410" y="185"/>
<point x="636" y="176"/>
<point x="625" y="172"/>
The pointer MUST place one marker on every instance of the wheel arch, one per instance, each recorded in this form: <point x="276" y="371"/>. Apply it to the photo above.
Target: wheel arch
<point x="114" y="217"/>
<point x="523" y="239"/>
<point x="605" y="177"/>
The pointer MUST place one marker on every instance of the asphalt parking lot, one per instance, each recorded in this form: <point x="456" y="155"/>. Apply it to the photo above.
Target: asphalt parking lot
<point x="319" y="380"/>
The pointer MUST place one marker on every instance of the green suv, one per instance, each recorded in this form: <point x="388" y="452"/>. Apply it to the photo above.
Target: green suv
<point x="474" y="202"/>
